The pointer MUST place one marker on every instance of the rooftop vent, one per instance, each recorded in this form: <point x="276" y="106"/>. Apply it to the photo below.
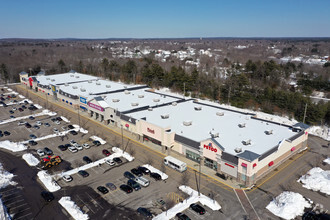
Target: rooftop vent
<point x="149" y="109"/>
<point x="98" y="83"/>
<point x="134" y="104"/>
<point x="238" y="149"/>
<point x="108" y="86"/>
<point x="74" y="87"/>
<point x="246" y="142"/>
<point x="71" y="75"/>
<point x="187" y="123"/>
<point x="198" y="108"/>
<point x="89" y="81"/>
<point x="165" y="116"/>
<point x="47" y="78"/>
<point x="53" y="80"/>
<point x="127" y="92"/>
<point x="141" y="96"/>
<point x="125" y="87"/>
<point x="269" y="132"/>
<point x="220" y="114"/>
<point x="77" y="77"/>
<point x="214" y="134"/>
<point x="82" y="89"/>
<point x="174" y="103"/>
<point x="241" y="125"/>
<point x="156" y="100"/>
<point x="66" y="84"/>
<point x="115" y="100"/>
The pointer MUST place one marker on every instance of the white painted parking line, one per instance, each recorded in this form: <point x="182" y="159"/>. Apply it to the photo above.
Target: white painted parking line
<point x="92" y="199"/>
<point x="11" y="196"/>
<point x="4" y="191"/>
<point x="16" y="201"/>
<point x="18" y="206"/>
<point x="85" y="204"/>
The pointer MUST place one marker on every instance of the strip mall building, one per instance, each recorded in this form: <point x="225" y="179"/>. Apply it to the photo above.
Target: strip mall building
<point x="236" y="144"/>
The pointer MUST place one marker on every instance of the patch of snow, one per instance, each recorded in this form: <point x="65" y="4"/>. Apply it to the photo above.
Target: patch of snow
<point x="10" y="90"/>
<point x="38" y="106"/>
<point x="72" y="208"/>
<point x="44" y="112"/>
<point x="180" y="207"/>
<point x="81" y="129"/>
<point x="65" y="119"/>
<point x="322" y="132"/>
<point x="95" y="138"/>
<point x="30" y="159"/>
<point x="5" y="178"/>
<point x="21" y="96"/>
<point x="288" y="205"/>
<point x="126" y="155"/>
<point x="317" y="180"/>
<point x="154" y="170"/>
<point x="48" y="181"/>
<point x="12" y="146"/>
<point x="327" y="160"/>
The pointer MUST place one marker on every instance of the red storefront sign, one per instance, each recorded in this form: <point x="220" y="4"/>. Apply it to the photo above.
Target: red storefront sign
<point x="209" y="147"/>
<point x="152" y="131"/>
<point x="271" y="163"/>
<point x="229" y="165"/>
<point x="126" y="125"/>
<point x="293" y="148"/>
<point x="254" y="165"/>
<point x="244" y="165"/>
<point x="96" y="107"/>
<point x="30" y="81"/>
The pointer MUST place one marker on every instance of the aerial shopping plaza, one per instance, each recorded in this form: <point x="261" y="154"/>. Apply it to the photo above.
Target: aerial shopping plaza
<point x="235" y="143"/>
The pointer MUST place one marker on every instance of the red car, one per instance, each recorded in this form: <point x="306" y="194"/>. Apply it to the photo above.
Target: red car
<point x="106" y="152"/>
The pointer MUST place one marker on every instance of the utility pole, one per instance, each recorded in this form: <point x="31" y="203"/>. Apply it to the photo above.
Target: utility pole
<point x="305" y="113"/>
<point x="79" y="116"/>
<point x="122" y="136"/>
<point x="199" y="178"/>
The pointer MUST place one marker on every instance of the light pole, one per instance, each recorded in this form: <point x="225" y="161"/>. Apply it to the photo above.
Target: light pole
<point x="199" y="178"/>
<point x="78" y="116"/>
<point x="122" y="136"/>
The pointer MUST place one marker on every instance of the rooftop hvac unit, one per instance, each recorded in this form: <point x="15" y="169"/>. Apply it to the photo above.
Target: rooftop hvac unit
<point x="220" y="114"/>
<point x="53" y="80"/>
<point x="149" y="109"/>
<point x="214" y="134"/>
<point x="269" y="132"/>
<point x="165" y="116"/>
<point x="246" y="142"/>
<point x="108" y="86"/>
<point x="141" y="96"/>
<point x="74" y="87"/>
<point x="242" y="125"/>
<point x="156" y="100"/>
<point x="198" y="108"/>
<point x="77" y="77"/>
<point x="174" y="103"/>
<point x="134" y="104"/>
<point x="187" y="123"/>
<point x="89" y="81"/>
<point x="66" y="84"/>
<point x="82" y="89"/>
<point x="238" y="149"/>
<point x="125" y="87"/>
<point x="115" y="100"/>
<point x="98" y="83"/>
<point x="71" y="75"/>
<point x="127" y="92"/>
<point x="47" y="78"/>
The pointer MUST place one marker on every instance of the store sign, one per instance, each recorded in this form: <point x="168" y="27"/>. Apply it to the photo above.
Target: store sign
<point x="210" y="147"/>
<point x="152" y="131"/>
<point x="99" y="108"/>
<point x="83" y="100"/>
<point x="53" y="89"/>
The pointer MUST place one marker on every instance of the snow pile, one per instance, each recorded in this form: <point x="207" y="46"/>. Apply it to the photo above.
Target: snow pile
<point x="21" y="96"/>
<point x="38" y="106"/>
<point x="9" y="90"/>
<point x="180" y="207"/>
<point x="288" y="205"/>
<point x="3" y="212"/>
<point x="12" y="146"/>
<point x="72" y="208"/>
<point x="123" y="154"/>
<point x="154" y="170"/>
<point x="30" y="159"/>
<point x="47" y="112"/>
<point x="317" y="180"/>
<point x="48" y="181"/>
<point x="5" y="178"/>
<point x="322" y="132"/>
<point x="95" y="138"/>
<point x="327" y="160"/>
<point x="44" y="112"/>
<point x="65" y="119"/>
<point x="84" y="131"/>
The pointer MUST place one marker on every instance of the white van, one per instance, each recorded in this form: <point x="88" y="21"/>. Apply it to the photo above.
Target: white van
<point x="142" y="181"/>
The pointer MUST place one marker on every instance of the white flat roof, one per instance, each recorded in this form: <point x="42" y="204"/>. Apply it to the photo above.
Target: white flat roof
<point x="135" y="99"/>
<point x="85" y="88"/>
<point x="209" y="120"/>
<point x="63" y="78"/>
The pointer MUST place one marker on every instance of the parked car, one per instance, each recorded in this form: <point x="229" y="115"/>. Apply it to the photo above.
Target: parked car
<point x="14" y="109"/>
<point x="47" y="124"/>
<point x="53" y="119"/>
<point x="83" y="173"/>
<point x="23" y="107"/>
<point x="142" y="181"/>
<point x="32" y="136"/>
<point x="31" y="118"/>
<point x="11" y="112"/>
<point x="87" y="159"/>
<point x="144" y="170"/>
<point x="48" y="151"/>
<point x="97" y="143"/>
<point x="21" y="123"/>
<point x="64" y="128"/>
<point x="28" y="125"/>
<point x="156" y="176"/>
<point x="6" y="133"/>
<point x="133" y="184"/>
<point x="20" y="109"/>
<point x="62" y="147"/>
<point x="86" y="146"/>
<point x="111" y="186"/>
<point x="70" y="127"/>
<point x="145" y="212"/>
<point x="117" y="160"/>
<point x="72" y="142"/>
<point x="72" y="149"/>
<point x="59" y="118"/>
<point x="182" y="216"/>
<point x="110" y="162"/>
<point x="36" y="127"/>
<point x="102" y="189"/>
<point x="12" y="116"/>
<point x="55" y="130"/>
<point x="106" y="152"/>
<point x="38" y="123"/>
<point x="197" y="208"/>
<point x="41" y="152"/>
<point x="67" y="178"/>
<point x="136" y="172"/>
<point x="129" y="175"/>
<point x="126" y="188"/>
<point x="79" y="147"/>
<point x="48" y="196"/>
<point x="73" y="132"/>
<point x="57" y="122"/>
<point x="32" y="142"/>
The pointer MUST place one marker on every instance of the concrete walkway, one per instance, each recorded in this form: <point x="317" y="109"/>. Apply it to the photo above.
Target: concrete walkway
<point x="246" y="204"/>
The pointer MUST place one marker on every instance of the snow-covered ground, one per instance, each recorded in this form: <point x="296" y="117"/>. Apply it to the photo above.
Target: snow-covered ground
<point x="5" y="180"/>
<point x="154" y="170"/>
<point x="38" y="106"/>
<point x="317" y="180"/>
<point x="323" y="132"/>
<point x="65" y="119"/>
<point x="124" y="154"/>
<point x="288" y="205"/>
<point x="12" y="146"/>
<point x="44" y="112"/>
<point x="72" y="208"/>
<point x="30" y="159"/>
<point x="21" y="96"/>
<point x="48" y="181"/>
<point x="180" y="207"/>
<point x="96" y="138"/>
<point x="327" y="160"/>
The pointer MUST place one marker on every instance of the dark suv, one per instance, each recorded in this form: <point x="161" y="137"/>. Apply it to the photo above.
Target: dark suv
<point x="129" y="175"/>
<point x="197" y="208"/>
<point x="134" y="184"/>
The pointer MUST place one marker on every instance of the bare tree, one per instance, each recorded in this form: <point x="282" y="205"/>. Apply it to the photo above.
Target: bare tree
<point x="149" y="161"/>
<point x="185" y="178"/>
<point x="163" y="167"/>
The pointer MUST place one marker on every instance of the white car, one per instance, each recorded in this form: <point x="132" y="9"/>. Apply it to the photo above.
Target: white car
<point x="57" y="122"/>
<point x="64" y="128"/>
<point x="86" y="146"/>
<point x="14" y="109"/>
<point x="72" y="142"/>
<point x="55" y="130"/>
<point x="21" y="123"/>
<point x="79" y="147"/>
<point x="38" y="123"/>
<point x="67" y="178"/>
<point x="110" y="162"/>
<point x="41" y="152"/>
<point x="72" y="149"/>
<point x="142" y="181"/>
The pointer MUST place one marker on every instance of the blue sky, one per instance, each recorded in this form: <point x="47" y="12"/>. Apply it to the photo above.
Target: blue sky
<point x="164" y="19"/>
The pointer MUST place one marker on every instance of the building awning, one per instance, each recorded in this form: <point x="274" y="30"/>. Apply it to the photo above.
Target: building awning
<point x="254" y="165"/>
<point x="271" y="163"/>
<point x="126" y="125"/>
<point x="244" y="165"/>
<point x="293" y="148"/>
<point x="229" y="165"/>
